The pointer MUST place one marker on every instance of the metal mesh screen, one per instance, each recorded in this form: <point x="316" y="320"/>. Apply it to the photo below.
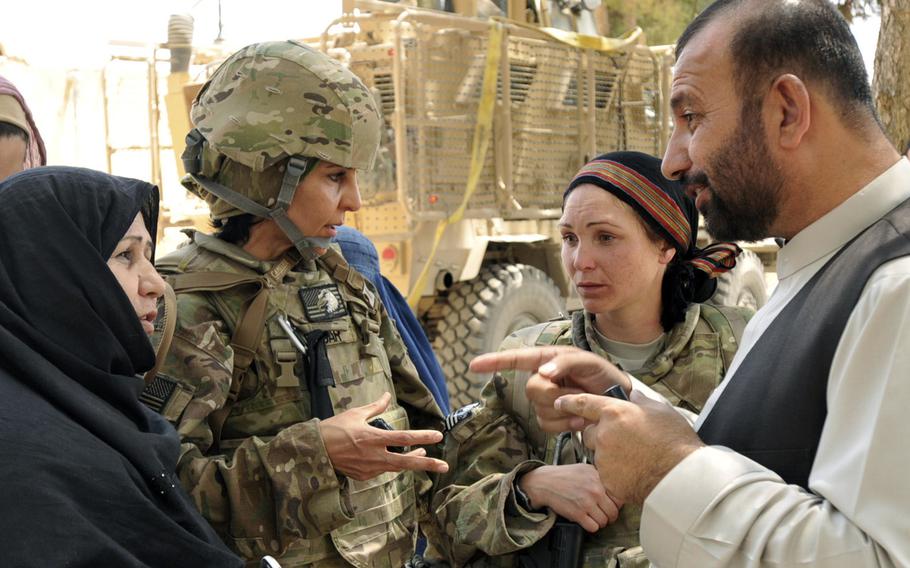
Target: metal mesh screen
<point x="443" y="79"/>
<point x="634" y="121"/>
<point x="547" y="127"/>
<point x="557" y="106"/>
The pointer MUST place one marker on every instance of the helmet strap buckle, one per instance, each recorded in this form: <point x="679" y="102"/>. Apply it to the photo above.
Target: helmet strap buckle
<point x="192" y="155"/>
<point x="296" y="168"/>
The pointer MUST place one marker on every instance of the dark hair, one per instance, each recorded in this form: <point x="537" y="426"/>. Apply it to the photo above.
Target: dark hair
<point x="9" y="130"/>
<point x="680" y="281"/>
<point x="809" y="39"/>
<point x="236" y="229"/>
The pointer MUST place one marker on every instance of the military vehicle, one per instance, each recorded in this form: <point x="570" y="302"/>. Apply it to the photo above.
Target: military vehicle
<point x="489" y="112"/>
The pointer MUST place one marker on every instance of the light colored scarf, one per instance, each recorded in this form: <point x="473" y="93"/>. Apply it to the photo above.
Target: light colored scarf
<point x="14" y="111"/>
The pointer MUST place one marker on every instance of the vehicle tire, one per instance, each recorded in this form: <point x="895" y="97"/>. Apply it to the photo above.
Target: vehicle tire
<point x="744" y="285"/>
<point x="480" y="313"/>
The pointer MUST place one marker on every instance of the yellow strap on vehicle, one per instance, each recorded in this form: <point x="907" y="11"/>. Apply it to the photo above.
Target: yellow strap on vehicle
<point x="583" y="41"/>
<point x="482" y="134"/>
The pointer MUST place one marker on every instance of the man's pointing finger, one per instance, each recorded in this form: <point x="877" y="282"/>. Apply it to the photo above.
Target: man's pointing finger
<point x="527" y="359"/>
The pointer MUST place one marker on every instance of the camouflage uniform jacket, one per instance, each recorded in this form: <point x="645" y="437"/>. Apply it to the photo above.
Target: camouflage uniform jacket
<point x="269" y="486"/>
<point x="475" y="504"/>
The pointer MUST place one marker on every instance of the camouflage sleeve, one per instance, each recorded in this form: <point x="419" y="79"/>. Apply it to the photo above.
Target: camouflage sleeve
<point x="475" y="506"/>
<point x="284" y="486"/>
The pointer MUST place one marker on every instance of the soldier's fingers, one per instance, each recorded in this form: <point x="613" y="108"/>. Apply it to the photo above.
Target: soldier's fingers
<point x="378" y="406"/>
<point x="609" y="508"/>
<point x="411" y="437"/>
<point x="588" y="406"/>
<point x="527" y="359"/>
<point x="415" y="461"/>
<point x="588" y="523"/>
<point x="598" y="516"/>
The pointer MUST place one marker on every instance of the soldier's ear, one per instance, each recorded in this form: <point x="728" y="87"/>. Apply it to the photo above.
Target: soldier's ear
<point x="667" y="252"/>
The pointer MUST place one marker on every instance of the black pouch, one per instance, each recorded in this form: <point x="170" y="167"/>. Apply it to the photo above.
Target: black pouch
<point x="560" y="548"/>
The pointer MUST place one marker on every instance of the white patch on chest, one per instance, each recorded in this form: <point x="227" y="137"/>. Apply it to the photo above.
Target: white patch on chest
<point x="328" y="299"/>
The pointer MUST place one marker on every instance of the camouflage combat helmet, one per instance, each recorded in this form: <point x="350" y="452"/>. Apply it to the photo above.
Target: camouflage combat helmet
<point x="268" y="102"/>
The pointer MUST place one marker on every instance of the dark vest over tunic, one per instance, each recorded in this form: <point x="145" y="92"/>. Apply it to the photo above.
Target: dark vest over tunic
<point x="774" y="407"/>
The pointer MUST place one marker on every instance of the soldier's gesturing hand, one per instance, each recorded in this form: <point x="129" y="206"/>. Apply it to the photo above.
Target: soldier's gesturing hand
<point x="360" y="451"/>
<point x="573" y="491"/>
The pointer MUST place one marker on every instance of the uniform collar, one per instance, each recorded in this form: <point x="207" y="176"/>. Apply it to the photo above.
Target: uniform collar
<point x="659" y="365"/>
<point x="237" y="254"/>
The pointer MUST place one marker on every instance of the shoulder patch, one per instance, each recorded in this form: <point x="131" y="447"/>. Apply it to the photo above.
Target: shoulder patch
<point x="459" y="416"/>
<point x="166" y="396"/>
<point x="156" y="394"/>
<point x="323" y="303"/>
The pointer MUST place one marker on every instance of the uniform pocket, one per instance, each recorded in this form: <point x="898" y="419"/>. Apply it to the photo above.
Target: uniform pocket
<point x="384" y="506"/>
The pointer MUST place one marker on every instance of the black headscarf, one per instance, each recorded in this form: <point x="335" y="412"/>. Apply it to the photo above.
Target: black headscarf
<point x="86" y="471"/>
<point x="636" y="179"/>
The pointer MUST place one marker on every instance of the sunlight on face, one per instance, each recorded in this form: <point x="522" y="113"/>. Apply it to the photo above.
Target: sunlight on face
<point x="612" y="261"/>
<point x="132" y="266"/>
<point x="323" y="198"/>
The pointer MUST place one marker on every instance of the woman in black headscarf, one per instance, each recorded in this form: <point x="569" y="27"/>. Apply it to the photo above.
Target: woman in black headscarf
<point x="629" y="248"/>
<point x="86" y="471"/>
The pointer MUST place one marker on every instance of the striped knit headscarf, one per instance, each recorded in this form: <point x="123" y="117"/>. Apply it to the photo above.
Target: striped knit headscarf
<point x="636" y="179"/>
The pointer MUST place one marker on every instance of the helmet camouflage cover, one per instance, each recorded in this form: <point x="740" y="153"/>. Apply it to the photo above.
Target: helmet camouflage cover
<point x="272" y="100"/>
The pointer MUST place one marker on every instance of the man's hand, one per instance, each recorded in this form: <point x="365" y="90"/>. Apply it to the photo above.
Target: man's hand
<point x="557" y="371"/>
<point x="572" y="491"/>
<point x="358" y="450"/>
<point x="635" y="443"/>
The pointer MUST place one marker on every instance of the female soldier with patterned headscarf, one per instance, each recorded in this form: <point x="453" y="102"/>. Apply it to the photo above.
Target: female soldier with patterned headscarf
<point x="287" y="381"/>
<point x="629" y="247"/>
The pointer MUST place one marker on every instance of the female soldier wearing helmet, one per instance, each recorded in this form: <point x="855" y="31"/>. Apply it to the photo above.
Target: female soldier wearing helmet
<point x="284" y="358"/>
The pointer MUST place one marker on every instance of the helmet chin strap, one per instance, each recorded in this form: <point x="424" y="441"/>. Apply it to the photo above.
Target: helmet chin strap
<point x="295" y="170"/>
<point x="165" y="324"/>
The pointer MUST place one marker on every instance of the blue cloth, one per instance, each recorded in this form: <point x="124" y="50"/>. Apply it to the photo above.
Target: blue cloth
<point x="361" y="254"/>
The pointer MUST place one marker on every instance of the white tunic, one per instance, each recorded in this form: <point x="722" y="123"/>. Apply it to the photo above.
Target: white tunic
<point x="718" y="508"/>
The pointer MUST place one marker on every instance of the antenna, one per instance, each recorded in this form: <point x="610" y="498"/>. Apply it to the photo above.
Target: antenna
<point x="219" y="39"/>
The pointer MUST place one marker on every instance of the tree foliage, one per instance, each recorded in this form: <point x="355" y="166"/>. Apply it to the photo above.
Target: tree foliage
<point x="664" y="20"/>
<point x="850" y="9"/>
